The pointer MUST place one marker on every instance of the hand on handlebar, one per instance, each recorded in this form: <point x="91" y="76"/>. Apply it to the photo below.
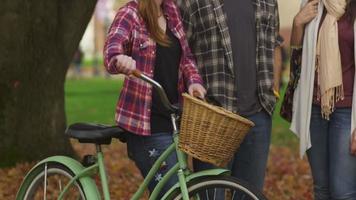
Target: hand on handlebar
<point x="125" y="64"/>
<point x="197" y="90"/>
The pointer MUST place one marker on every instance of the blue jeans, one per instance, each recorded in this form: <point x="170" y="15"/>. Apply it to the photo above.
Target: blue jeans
<point x="333" y="167"/>
<point x="250" y="160"/>
<point x="145" y="150"/>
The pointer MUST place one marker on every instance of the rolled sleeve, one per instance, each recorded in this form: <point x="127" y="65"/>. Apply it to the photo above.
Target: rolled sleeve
<point x="118" y="38"/>
<point x="295" y="65"/>
<point x="190" y="70"/>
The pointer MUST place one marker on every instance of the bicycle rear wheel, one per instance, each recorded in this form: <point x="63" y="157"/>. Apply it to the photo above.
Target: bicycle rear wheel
<point x="49" y="180"/>
<point x="220" y="188"/>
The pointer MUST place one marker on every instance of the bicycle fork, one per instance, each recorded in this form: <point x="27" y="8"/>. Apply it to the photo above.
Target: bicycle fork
<point x="181" y="160"/>
<point x="183" y="184"/>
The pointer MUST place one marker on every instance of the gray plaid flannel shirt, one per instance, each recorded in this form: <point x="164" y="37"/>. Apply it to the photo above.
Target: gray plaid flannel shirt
<point x="209" y="39"/>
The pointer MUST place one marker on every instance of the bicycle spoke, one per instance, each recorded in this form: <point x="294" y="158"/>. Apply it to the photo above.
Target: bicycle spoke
<point x="226" y="188"/>
<point x="233" y="195"/>
<point x="60" y="185"/>
<point x="45" y="183"/>
<point x="50" y="183"/>
<point x="197" y="197"/>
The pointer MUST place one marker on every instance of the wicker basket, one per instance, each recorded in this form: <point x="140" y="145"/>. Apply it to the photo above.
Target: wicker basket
<point x="210" y="133"/>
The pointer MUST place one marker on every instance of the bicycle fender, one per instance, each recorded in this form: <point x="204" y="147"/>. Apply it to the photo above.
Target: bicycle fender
<point x="196" y="176"/>
<point x="88" y="184"/>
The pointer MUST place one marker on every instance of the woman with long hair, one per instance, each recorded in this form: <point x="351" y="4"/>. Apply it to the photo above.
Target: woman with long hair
<point x="324" y="109"/>
<point x="148" y="35"/>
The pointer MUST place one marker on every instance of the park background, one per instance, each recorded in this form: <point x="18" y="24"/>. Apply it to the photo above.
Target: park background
<point x="91" y="94"/>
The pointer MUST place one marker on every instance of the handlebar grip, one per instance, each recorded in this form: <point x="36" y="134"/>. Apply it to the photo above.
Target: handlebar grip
<point x="137" y="73"/>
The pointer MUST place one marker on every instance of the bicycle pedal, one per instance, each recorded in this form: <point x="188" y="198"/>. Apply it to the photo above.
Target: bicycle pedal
<point x="88" y="160"/>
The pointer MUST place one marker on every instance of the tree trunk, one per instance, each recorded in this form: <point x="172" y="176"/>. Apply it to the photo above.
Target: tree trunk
<point x="37" y="41"/>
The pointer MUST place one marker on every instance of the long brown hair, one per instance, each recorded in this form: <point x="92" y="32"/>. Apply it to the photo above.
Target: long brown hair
<point x="149" y="12"/>
<point x="351" y="10"/>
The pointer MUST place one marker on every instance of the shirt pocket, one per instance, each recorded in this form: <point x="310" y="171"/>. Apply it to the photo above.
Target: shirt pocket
<point x="141" y="43"/>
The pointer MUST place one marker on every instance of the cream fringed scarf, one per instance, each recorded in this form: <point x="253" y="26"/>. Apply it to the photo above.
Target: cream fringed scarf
<point x="328" y="58"/>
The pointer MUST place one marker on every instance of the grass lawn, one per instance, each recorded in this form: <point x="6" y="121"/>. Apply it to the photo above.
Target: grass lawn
<point x="91" y="100"/>
<point x="94" y="100"/>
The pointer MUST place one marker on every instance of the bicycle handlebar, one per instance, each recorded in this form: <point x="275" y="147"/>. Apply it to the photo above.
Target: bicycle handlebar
<point x="161" y="93"/>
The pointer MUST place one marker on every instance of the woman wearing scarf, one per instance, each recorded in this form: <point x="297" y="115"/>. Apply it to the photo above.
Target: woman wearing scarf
<point x="324" y="104"/>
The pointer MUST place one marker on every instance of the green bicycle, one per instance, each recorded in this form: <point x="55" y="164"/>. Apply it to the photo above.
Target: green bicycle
<point x="61" y="177"/>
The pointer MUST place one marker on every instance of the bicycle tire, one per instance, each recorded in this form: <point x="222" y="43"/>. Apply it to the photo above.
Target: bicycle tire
<point x="53" y="169"/>
<point x="207" y="188"/>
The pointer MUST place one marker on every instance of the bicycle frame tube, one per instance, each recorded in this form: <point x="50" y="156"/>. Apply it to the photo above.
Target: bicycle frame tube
<point x="164" y="180"/>
<point x="86" y="172"/>
<point x="180" y="169"/>
<point x="156" y="166"/>
<point x="102" y="172"/>
<point x="174" y="170"/>
<point x="182" y="161"/>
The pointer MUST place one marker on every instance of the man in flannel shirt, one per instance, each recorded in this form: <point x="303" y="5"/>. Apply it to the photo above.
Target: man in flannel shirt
<point x="234" y="42"/>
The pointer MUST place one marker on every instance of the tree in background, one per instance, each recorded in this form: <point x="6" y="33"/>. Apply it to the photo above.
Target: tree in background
<point x="38" y="39"/>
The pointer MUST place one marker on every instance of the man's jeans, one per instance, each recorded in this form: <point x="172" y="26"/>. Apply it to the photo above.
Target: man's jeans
<point x="145" y="150"/>
<point x="332" y="165"/>
<point x="250" y="160"/>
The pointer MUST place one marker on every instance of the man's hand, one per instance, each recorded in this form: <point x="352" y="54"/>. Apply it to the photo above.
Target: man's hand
<point x="353" y="143"/>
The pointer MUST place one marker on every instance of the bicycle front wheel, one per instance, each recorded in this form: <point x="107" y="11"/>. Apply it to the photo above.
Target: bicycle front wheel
<point x="48" y="182"/>
<point x="220" y="188"/>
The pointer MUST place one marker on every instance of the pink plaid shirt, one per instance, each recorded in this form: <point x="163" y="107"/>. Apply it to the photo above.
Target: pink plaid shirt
<point x="128" y="35"/>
